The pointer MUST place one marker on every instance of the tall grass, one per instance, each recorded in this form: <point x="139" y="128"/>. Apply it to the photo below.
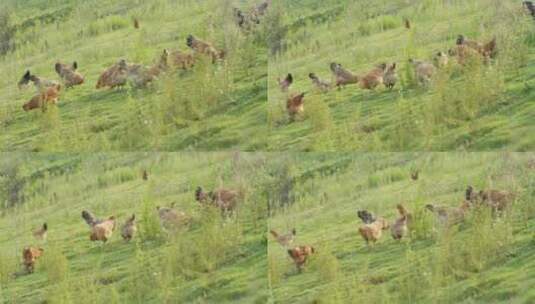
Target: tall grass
<point x="177" y="110"/>
<point x="460" y="104"/>
<point x="434" y="263"/>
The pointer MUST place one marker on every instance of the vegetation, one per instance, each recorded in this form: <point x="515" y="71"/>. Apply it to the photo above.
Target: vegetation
<point x="477" y="107"/>
<point x="211" y="107"/>
<point x="213" y="260"/>
<point x="486" y="259"/>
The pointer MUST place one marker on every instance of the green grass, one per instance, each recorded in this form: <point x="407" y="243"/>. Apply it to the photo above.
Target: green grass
<point x="212" y="107"/>
<point x="483" y="260"/>
<point x="477" y="108"/>
<point x="215" y="260"/>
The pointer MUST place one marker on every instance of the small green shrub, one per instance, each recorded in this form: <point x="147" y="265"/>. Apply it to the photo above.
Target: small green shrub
<point x="55" y="264"/>
<point x="107" y="24"/>
<point x="317" y="111"/>
<point x="387" y="22"/>
<point x="327" y="266"/>
<point x="8" y="266"/>
<point x="7" y="32"/>
<point x="150" y="227"/>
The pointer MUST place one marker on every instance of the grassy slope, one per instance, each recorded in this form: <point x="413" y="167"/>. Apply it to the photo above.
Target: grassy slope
<point x="212" y="107"/>
<point x="359" y="34"/>
<point x="485" y="263"/>
<point x="213" y="261"/>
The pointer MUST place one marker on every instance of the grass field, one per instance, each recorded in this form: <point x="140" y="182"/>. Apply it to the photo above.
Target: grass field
<point x="212" y="107"/>
<point x="482" y="260"/>
<point x="475" y="108"/>
<point x="214" y="260"/>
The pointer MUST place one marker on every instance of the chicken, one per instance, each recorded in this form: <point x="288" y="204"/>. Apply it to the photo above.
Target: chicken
<point x="372" y="232"/>
<point x="41" y="233"/>
<point x="103" y="230"/>
<point x="239" y="16"/>
<point x="90" y="219"/>
<point x="295" y="105"/>
<point x="172" y="219"/>
<point x="114" y="76"/>
<point x="414" y="175"/>
<point x="424" y="71"/>
<point x="71" y="77"/>
<point x="182" y="60"/>
<point x="285" y="83"/>
<point x="342" y="76"/>
<point x="528" y="5"/>
<point x="205" y="48"/>
<point x="390" y="77"/>
<point x="490" y="49"/>
<point x="374" y="77"/>
<point x="400" y="227"/>
<point x="498" y="200"/>
<point x="258" y="11"/>
<point x="49" y="96"/>
<point x="464" y="53"/>
<point x="224" y="199"/>
<point x="300" y="255"/>
<point x="366" y="216"/>
<point x="486" y="50"/>
<point x="40" y="84"/>
<point x="30" y="256"/>
<point x="407" y="24"/>
<point x="441" y="59"/>
<point x="322" y="85"/>
<point x="449" y="215"/>
<point x="129" y="228"/>
<point x="286" y="239"/>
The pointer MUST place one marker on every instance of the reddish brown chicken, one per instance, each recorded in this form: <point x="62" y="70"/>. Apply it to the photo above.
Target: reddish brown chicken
<point x="374" y="77"/>
<point x="300" y="255"/>
<point x="295" y="105"/>
<point x="49" y="96"/>
<point x="373" y="232"/>
<point x="30" y="256"/>
<point x="104" y="230"/>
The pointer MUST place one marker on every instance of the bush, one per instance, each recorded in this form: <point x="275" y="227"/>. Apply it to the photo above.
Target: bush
<point x="12" y="183"/>
<point x="150" y="228"/>
<point x="328" y="267"/>
<point x="109" y="24"/>
<point x="319" y="114"/>
<point x="7" y="33"/>
<point x="273" y="31"/>
<point x="8" y="266"/>
<point x="56" y="265"/>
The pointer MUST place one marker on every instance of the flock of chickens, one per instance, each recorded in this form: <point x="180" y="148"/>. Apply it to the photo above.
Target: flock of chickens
<point x="139" y="75"/>
<point x="385" y="74"/>
<point x="171" y="219"/>
<point x="373" y="226"/>
<point x="118" y="75"/>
